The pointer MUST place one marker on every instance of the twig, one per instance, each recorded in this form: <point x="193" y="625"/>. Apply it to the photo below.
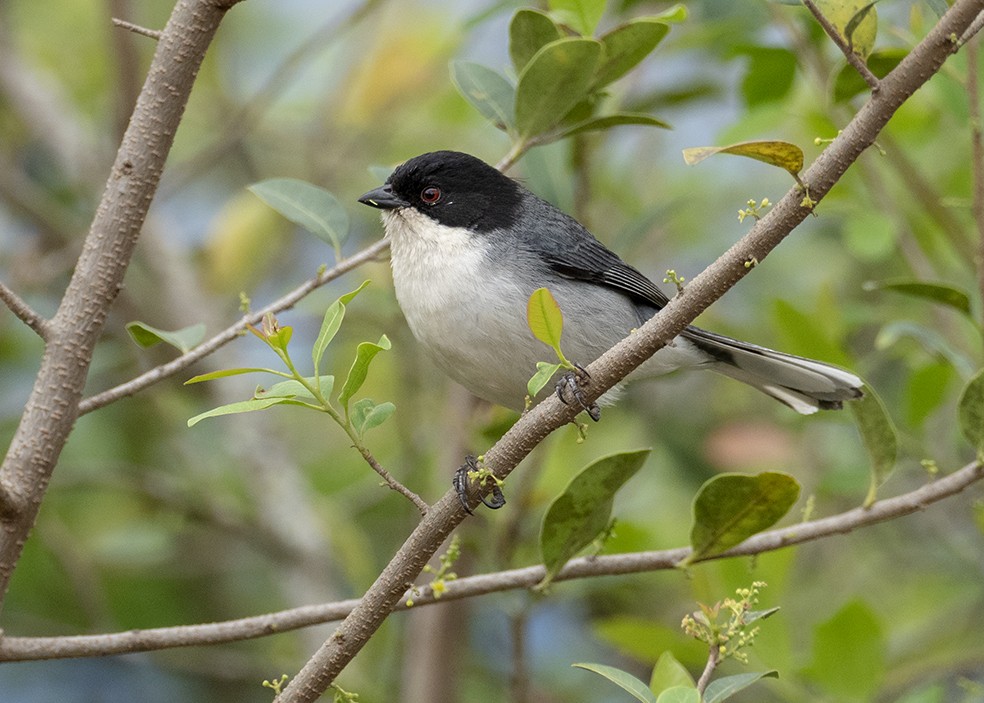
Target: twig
<point x="36" y="648"/>
<point x="137" y="29"/>
<point x="852" y="58"/>
<point x="911" y="73"/>
<point x="515" y="154"/>
<point x="713" y="658"/>
<point x="24" y="312"/>
<point x="392" y="482"/>
<point x="230" y="333"/>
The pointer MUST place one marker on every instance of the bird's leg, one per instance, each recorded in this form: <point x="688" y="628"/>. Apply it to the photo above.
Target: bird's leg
<point x="462" y="478"/>
<point x="569" y="390"/>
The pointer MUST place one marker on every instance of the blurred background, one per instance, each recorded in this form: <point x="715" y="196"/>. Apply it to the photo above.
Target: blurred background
<point x="148" y="523"/>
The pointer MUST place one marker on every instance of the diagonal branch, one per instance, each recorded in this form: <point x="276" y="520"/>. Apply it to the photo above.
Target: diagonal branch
<point x="36" y="648"/>
<point x="353" y="633"/>
<point x="24" y="312"/>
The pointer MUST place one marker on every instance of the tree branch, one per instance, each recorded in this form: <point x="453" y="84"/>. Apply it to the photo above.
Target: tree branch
<point x="852" y="58"/>
<point x="713" y="658"/>
<point x="154" y="34"/>
<point x="232" y="332"/>
<point x="52" y="407"/>
<point x="36" y="648"/>
<point x="24" y="312"/>
<point x="914" y="70"/>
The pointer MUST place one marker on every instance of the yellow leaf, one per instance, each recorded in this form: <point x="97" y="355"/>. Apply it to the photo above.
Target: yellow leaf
<point x="785" y="155"/>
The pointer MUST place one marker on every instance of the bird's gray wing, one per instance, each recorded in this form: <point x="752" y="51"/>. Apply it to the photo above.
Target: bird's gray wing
<point x="588" y="260"/>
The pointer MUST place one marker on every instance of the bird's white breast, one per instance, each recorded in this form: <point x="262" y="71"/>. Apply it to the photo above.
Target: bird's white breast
<point x="471" y="320"/>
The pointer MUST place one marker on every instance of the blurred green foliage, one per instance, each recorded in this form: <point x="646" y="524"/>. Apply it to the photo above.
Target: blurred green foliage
<point x="149" y="523"/>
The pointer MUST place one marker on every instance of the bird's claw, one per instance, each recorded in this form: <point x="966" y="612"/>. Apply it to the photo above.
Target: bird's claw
<point x="460" y="481"/>
<point x="569" y="390"/>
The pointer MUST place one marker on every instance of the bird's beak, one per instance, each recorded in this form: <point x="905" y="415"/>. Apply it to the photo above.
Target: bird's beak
<point x="383" y="198"/>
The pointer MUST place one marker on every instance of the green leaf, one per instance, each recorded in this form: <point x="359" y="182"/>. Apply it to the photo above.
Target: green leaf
<point x="284" y="389"/>
<point x="594" y="124"/>
<point x="668" y="673"/>
<point x="488" y="91"/>
<point x="583" y="511"/>
<point x="854" y="20"/>
<point x="296" y="389"/>
<point x="753" y="615"/>
<point x="280" y="338"/>
<point x="212" y="375"/>
<point x="529" y="31"/>
<point x="555" y="80"/>
<point x="364" y="355"/>
<point x="329" y="326"/>
<point x="723" y="688"/>
<point x="942" y="293"/>
<point x="185" y="339"/>
<point x="244" y="406"/>
<point x="862" y="29"/>
<point x="305" y="204"/>
<point x="623" y="679"/>
<point x="849" y="653"/>
<point x="730" y="508"/>
<point x="580" y="15"/>
<point x="626" y="46"/>
<point x="971" y="412"/>
<point x="365" y="414"/>
<point x="545" y="319"/>
<point x="544" y="372"/>
<point x="776" y="153"/>
<point x="879" y="438"/>
<point x="672" y="15"/>
<point x="679" y="694"/>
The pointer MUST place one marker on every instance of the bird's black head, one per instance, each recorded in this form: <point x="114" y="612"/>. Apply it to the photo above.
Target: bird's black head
<point x="453" y="189"/>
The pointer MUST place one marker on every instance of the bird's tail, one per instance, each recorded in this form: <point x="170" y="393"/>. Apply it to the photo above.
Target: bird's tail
<point x="804" y="385"/>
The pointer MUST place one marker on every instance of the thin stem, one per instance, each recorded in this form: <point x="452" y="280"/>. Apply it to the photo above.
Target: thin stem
<point x="37" y="648"/>
<point x="515" y="153"/>
<point x="137" y="29"/>
<point x="346" y="424"/>
<point x="387" y="476"/>
<point x="852" y="58"/>
<point x="713" y="659"/>
<point x="24" y="312"/>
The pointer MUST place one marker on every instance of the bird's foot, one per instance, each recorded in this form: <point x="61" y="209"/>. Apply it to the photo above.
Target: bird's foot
<point x="483" y="477"/>
<point x="569" y="391"/>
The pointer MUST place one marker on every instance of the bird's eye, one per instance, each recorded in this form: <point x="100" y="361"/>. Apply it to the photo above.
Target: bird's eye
<point x="430" y="195"/>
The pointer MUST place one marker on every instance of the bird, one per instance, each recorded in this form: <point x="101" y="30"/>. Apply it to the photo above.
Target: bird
<point x="469" y="245"/>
